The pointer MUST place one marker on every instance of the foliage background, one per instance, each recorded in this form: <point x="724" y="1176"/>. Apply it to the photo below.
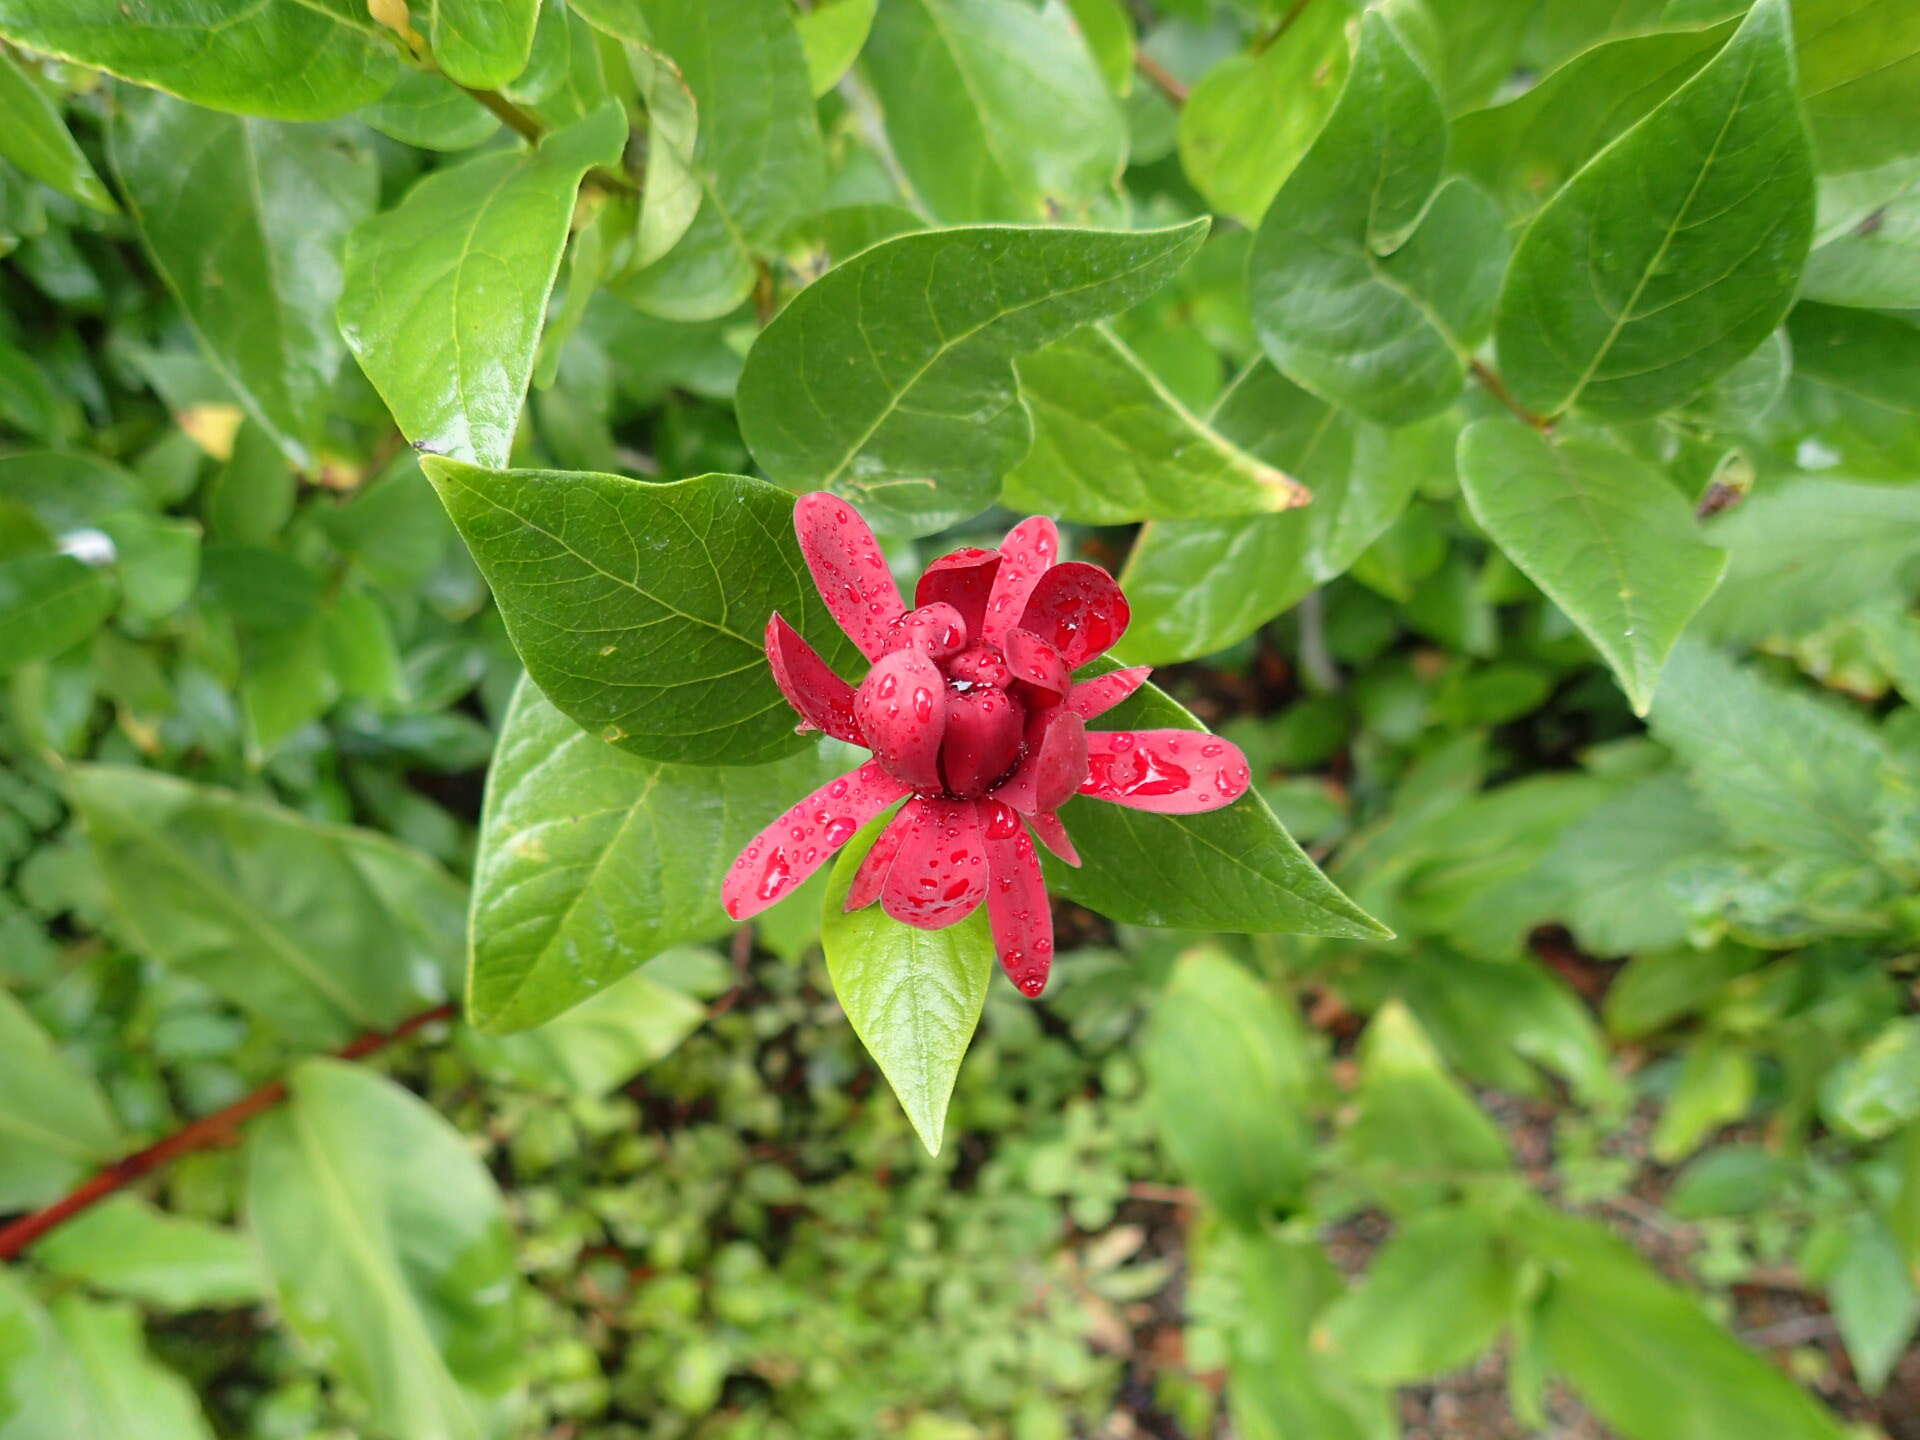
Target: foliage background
<point x="1650" y="1011"/>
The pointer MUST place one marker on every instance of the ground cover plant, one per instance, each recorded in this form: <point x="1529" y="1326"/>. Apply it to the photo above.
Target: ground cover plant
<point x="959" y="719"/>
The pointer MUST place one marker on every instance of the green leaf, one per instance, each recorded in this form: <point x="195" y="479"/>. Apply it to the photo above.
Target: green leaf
<point x="1239" y="138"/>
<point x="128" y="1248"/>
<point x="1875" y="1092"/>
<point x="481" y="43"/>
<point x="1715" y="1088"/>
<point x="54" y="1122"/>
<point x="640" y="609"/>
<point x="1853" y="403"/>
<point x="388" y="1245"/>
<point x="995" y="110"/>
<point x="1874" y="1303"/>
<point x="1111" y="444"/>
<point x="49" y="603"/>
<point x="914" y="340"/>
<point x="1435" y="1295"/>
<point x="244" y="220"/>
<point x="287" y="59"/>
<point x="1676" y="251"/>
<point x="321" y="930"/>
<point x="431" y="112"/>
<point x="1645" y="1356"/>
<point x="1360" y="477"/>
<point x="670" y="189"/>
<point x="445" y="292"/>
<point x="832" y="33"/>
<point x="1227" y="1078"/>
<point x="35" y="138"/>
<point x="157" y="560"/>
<point x="1781" y="767"/>
<point x="1111" y="39"/>
<point x="1656" y="989"/>
<point x="1234" y="869"/>
<point x="1608" y="538"/>
<point x="1874" y="265"/>
<point x="1368" y="287"/>
<point x="599" y="1044"/>
<point x="912" y="996"/>
<point x="1859" y="66"/>
<point x="593" y="860"/>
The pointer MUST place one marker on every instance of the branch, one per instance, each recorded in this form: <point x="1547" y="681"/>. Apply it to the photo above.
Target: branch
<point x="203" y="1134"/>
<point x="1162" y="79"/>
<point x="531" y="130"/>
<point x="1497" y="388"/>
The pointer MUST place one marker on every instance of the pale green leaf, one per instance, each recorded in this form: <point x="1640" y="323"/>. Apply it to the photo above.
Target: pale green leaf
<point x="1111" y="444"/>
<point x="445" y="293"/>
<point x="388" y="1246"/>
<point x="1676" y="251"/>
<point x="592" y="860"/>
<point x="1859" y="80"/>
<point x="1874" y="1303"/>
<point x="35" y="138"/>
<point x="49" y="603"/>
<point x="1605" y="535"/>
<point x="913" y="996"/>
<point x="54" y="1122"/>
<point x="1874" y="265"/>
<point x="481" y="43"/>
<point x="128" y="1247"/>
<point x="890" y="379"/>
<point x="431" y="112"/>
<point x="832" y="33"/>
<point x="80" y="1370"/>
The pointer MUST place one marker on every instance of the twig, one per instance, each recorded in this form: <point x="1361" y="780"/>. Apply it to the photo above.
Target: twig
<point x="1164" y="1194"/>
<point x="1281" y="26"/>
<point x="1162" y="80"/>
<point x="1497" y="388"/>
<point x="509" y="114"/>
<point x="1316" y="661"/>
<point x="208" y="1131"/>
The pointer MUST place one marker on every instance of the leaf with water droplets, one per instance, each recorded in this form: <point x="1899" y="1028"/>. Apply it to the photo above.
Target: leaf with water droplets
<point x="913" y="996"/>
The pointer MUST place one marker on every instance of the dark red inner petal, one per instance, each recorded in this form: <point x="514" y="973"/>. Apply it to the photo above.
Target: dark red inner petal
<point x="1041" y="674"/>
<point x="963" y="580"/>
<point x="984" y="732"/>
<point x="824" y="700"/>
<point x="937" y="630"/>
<point x="1079" y="610"/>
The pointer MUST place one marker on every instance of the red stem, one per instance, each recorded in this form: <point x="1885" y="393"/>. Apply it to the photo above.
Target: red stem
<point x="219" y="1128"/>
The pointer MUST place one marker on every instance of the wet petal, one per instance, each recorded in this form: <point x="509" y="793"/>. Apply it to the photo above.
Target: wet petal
<point x="1046" y="824"/>
<point x="982" y="665"/>
<point x="1025" y="555"/>
<point x="1017" y="902"/>
<point x="1079" y="610"/>
<point x="939" y="875"/>
<point x="902" y="710"/>
<point x="824" y="700"/>
<point x="1094" y="697"/>
<point x="964" y="580"/>
<point x="784" y="854"/>
<point x="849" y="569"/>
<point x="1172" y="772"/>
<point x="1055" y="764"/>
<point x="984" y="733"/>
<point x="937" y="630"/>
<point x="1042" y="671"/>
<point x="871" y="877"/>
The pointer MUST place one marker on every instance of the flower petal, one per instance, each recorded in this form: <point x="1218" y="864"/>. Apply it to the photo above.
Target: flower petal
<point x="871" y="877"/>
<point x="902" y="710"/>
<point x="1043" y="673"/>
<point x="984" y="734"/>
<point x="784" y="854"/>
<point x="1171" y="772"/>
<point x="1055" y="764"/>
<point x="1024" y="557"/>
<point x="1079" y="610"/>
<point x="937" y="630"/>
<point x="939" y="875"/>
<point x="824" y="700"/>
<point x="1046" y="824"/>
<point x="1017" y="902"/>
<point x="849" y="569"/>
<point x="1094" y="697"/>
<point x="964" y="580"/>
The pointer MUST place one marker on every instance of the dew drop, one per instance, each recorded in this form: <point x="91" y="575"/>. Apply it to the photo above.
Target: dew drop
<point x="840" y="831"/>
<point x="776" y="876"/>
<point x="837" y="789"/>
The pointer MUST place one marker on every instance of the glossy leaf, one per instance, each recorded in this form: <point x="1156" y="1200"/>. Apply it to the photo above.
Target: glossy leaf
<point x="1368" y="288"/>
<point x="245" y="220"/>
<point x="1227" y="1076"/>
<point x="323" y="931"/>
<point x="445" y="292"/>
<point x="481" y="43"/>
<point x="54" y="1122"/>
<point x="1676" y="251"/>
<point x="1875" y="265"/>
<point x="388" y="1246"/>
<point x="639" y="609"/>
<point x="430" y="111"/>
<point x="913" y="996"/>
<point x="1852" y="405"/>
<point x="1232" y="869"/>
<point x="593" y="860"/>
<point x="127" y="1247"/>
<point x="832" y="34"/>
<point x="287" y="59"/>
<point x="670" y="189"/>
<point x="48" y="604"/>
<point x="1859" y="63"/>
<point x="915" y="340"/>
<point x="1111" y="444"/>
<point x="1605" y="535"/>
<point x="996" y="110"/>
<point x="35" y="138"/>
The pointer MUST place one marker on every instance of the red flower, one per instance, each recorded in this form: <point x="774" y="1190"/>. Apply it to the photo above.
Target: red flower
<point x="970" y="709"/>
